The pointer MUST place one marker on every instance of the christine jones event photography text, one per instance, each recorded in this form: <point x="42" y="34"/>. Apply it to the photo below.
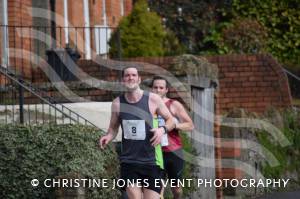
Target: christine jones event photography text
<point x="118" y="183"/>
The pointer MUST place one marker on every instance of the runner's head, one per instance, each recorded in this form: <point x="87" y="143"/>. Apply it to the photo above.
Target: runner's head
<point x="160" y="86"/>
<point x="131" y="78"/>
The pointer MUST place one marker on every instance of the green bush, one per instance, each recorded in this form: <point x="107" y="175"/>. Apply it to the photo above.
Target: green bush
<point x="189" y="167"/>
<point x="171" y="45"/>
<point x="141" y="33"/>
<point x="46" y="151"/>
<point x="191" y="21"/>
<point x="200" y="26"/>
<point x="243" y="36"/>
<point x="280" y="18"/>
<point x="288" y="156"/>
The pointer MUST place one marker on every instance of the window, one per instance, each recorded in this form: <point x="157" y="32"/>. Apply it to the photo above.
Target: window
<point x="102" y="36"/>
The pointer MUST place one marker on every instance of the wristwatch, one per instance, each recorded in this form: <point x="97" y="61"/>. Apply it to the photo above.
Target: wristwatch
<point x="165" y="128"/>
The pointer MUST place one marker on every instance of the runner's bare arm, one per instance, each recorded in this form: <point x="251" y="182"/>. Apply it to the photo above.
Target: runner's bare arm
<point x="165" y="113"/>
<point x="113" y="125"/>
<point x="185" y="122"/>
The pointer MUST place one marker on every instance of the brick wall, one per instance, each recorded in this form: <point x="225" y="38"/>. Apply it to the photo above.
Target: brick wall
<point x="76" y="19"/>
<point x="1" y="42"/>
<point x="128" y="6"/>
<point x="113" y="9"/>
<point x="19" y="15"/>
<point x="251" y="82"/>
<point x="76" y="15"/>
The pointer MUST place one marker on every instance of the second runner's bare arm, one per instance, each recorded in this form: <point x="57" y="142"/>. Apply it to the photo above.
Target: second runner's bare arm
<point x="113" y="125"/>
<point x="185" y="123"/>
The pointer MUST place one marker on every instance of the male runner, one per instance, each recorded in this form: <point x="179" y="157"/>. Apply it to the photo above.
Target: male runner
<point x="141" y="155"/>
<point x="172" y="153"/>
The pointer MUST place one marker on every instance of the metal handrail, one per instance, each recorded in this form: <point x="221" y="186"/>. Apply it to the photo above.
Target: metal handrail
<point x="291" y="74"/>
<point x="49" y="100"/>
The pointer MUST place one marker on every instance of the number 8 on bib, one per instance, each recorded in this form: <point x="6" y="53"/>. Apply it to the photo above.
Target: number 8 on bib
<point x="134" y="129"/>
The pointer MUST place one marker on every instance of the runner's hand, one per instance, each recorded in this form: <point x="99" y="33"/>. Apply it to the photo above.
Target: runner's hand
<point x="157" y="135"/>
<point x="104" y="140"/>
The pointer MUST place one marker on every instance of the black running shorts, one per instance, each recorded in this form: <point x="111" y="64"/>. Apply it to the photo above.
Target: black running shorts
<point x="147" y="176"/>
<point x="174" y="164"/>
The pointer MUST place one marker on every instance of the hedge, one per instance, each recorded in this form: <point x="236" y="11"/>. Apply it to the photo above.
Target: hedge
<point x="47" y="151"/>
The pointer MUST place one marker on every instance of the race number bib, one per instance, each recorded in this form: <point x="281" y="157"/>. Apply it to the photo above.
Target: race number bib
<point x="164" y="139"/>
<point x="134" y="129"/>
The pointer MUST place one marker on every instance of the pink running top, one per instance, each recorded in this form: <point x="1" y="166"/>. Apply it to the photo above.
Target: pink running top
<point x="173" y="136"/>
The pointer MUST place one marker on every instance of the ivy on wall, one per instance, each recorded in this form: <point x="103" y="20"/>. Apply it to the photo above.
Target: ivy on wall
<point x="287" y="156"/>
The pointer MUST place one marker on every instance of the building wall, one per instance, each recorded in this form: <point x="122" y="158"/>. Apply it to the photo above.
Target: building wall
<point x="251" y="82"/>
<point x="76" y="19"/>
<point x="21" y="31"/>
<point x="76" y="15"/>
<point x="19" y="15"/>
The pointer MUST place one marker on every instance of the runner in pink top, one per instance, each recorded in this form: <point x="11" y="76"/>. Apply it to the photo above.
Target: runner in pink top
<point x="172" y="148"/>
<point x="173" y="136"/>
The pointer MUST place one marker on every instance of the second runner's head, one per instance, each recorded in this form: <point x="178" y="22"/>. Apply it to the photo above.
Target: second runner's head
<point x="160" y="86"/>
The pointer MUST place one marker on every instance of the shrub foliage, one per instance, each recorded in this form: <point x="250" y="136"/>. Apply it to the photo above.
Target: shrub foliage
<point x="288" y="156"/>
<point x="45" y="152"/>
<point x="141" y="33"/>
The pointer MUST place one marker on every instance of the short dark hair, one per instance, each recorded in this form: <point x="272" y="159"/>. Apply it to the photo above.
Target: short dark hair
<point x="156" y="77"/>
<point x="125" y="68"/>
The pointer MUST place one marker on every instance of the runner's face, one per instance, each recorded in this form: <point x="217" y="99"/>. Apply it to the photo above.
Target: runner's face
<point x="131" y="79"/>
<point x="159" y="87"/>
